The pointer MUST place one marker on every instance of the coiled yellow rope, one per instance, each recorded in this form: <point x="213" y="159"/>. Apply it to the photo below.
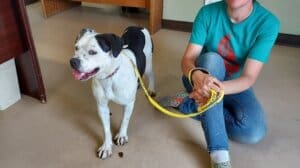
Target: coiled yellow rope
<point x="214" y="99"/>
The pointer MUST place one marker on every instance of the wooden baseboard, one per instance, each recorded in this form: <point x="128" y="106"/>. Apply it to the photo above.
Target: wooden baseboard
<point x="288" y="39"/>
<point x="28" y="2"/>
<point x="177" y="25"/>
<point x="283" y="39"/>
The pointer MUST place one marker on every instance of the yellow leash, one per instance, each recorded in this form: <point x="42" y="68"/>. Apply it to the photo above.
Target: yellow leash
<point x="214" y="99"/>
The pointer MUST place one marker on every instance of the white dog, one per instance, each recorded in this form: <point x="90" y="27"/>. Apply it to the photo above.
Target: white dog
<point x="107" y="59"/>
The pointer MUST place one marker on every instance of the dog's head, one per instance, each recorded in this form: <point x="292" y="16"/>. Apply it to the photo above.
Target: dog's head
<point x="95" y="54"/>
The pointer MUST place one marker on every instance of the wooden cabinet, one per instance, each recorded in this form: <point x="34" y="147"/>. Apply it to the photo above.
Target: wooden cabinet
<point x="155" y="7"/>
<point x="9" y="32"/>
<point x="16" y="42"/>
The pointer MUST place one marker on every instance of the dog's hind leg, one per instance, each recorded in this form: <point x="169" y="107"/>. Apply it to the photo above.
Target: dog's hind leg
<point x="122" y="138"/>
<point x="150" y="75"/>
<point x="105" y="150"/>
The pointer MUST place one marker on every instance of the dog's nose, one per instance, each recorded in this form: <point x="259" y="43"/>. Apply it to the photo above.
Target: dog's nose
<point x="75" y="63"/>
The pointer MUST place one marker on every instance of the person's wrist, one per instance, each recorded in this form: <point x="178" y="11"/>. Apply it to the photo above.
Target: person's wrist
<point x="200" y="71"/>
<point x="197" y="75"/>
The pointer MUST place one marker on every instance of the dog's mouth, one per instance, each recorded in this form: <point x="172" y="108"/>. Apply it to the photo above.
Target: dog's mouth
<point x="84" y="75"/>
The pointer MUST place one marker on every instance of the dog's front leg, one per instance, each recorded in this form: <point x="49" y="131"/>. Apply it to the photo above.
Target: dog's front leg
<point x="121" y="138"/>
<point x="105" y="150"/>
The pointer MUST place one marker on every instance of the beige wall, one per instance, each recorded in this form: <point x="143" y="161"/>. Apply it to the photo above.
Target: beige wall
<point x="181" y="10"/>
<point x="288" y="12"/>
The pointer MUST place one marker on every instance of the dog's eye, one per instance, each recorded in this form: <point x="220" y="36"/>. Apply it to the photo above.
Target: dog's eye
<point x="76" y="48"/>
<point x="92" y="52"/>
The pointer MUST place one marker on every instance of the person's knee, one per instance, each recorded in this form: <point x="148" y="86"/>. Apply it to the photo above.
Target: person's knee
<point x="256" y="136"/>
<point x="250" y="135"/>
<point x="213" y="63"/>
<point x="208" y="59"/>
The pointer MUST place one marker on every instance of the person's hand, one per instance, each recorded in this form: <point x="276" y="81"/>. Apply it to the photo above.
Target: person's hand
<point x="203" y="83"/>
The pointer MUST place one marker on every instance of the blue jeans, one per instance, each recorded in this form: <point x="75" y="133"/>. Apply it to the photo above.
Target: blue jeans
<point x="238" y="116"/>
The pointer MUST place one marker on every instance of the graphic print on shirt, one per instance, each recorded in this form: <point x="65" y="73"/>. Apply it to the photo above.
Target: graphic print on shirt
<point x="226" y="51"/>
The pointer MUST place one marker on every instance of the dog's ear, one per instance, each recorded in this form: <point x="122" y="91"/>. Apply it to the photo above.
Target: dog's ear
<point x="110" y="42"/>
<point x="83" y="32"/>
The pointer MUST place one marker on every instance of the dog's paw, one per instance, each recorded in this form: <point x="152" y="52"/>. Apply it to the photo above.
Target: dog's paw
<point x="104" y="152"/>
<point x="152" y="93"/>
<point x="121" y="140"/>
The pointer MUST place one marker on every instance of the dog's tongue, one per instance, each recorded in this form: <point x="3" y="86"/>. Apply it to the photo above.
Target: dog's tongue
<point x="77" y="75"/>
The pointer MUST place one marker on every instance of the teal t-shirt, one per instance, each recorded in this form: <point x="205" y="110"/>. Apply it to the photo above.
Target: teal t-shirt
<point x="251" y="38"/>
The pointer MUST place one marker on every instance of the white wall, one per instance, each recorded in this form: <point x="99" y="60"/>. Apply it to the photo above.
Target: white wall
<point x="288" y="12"/>
<point x="181" y="10"/>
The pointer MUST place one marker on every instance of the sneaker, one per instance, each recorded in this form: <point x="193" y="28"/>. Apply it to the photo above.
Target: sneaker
<point x="221" y="165"/>
<point x="173" y="101"/>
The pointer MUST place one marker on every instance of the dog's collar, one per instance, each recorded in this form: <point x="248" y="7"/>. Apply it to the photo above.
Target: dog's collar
<point x="112" y="74"/>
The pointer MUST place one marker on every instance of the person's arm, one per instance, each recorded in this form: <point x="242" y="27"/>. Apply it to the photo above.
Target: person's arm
<point x="250" y="73"/>
<point x="202" y="82"/>
<point x="258" y="55"/>
<point x="192" y="51"/>
<point x="248" y="77"/>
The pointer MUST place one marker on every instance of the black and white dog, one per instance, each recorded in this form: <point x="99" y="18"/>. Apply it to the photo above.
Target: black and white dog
<point x="107" y="59"/>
